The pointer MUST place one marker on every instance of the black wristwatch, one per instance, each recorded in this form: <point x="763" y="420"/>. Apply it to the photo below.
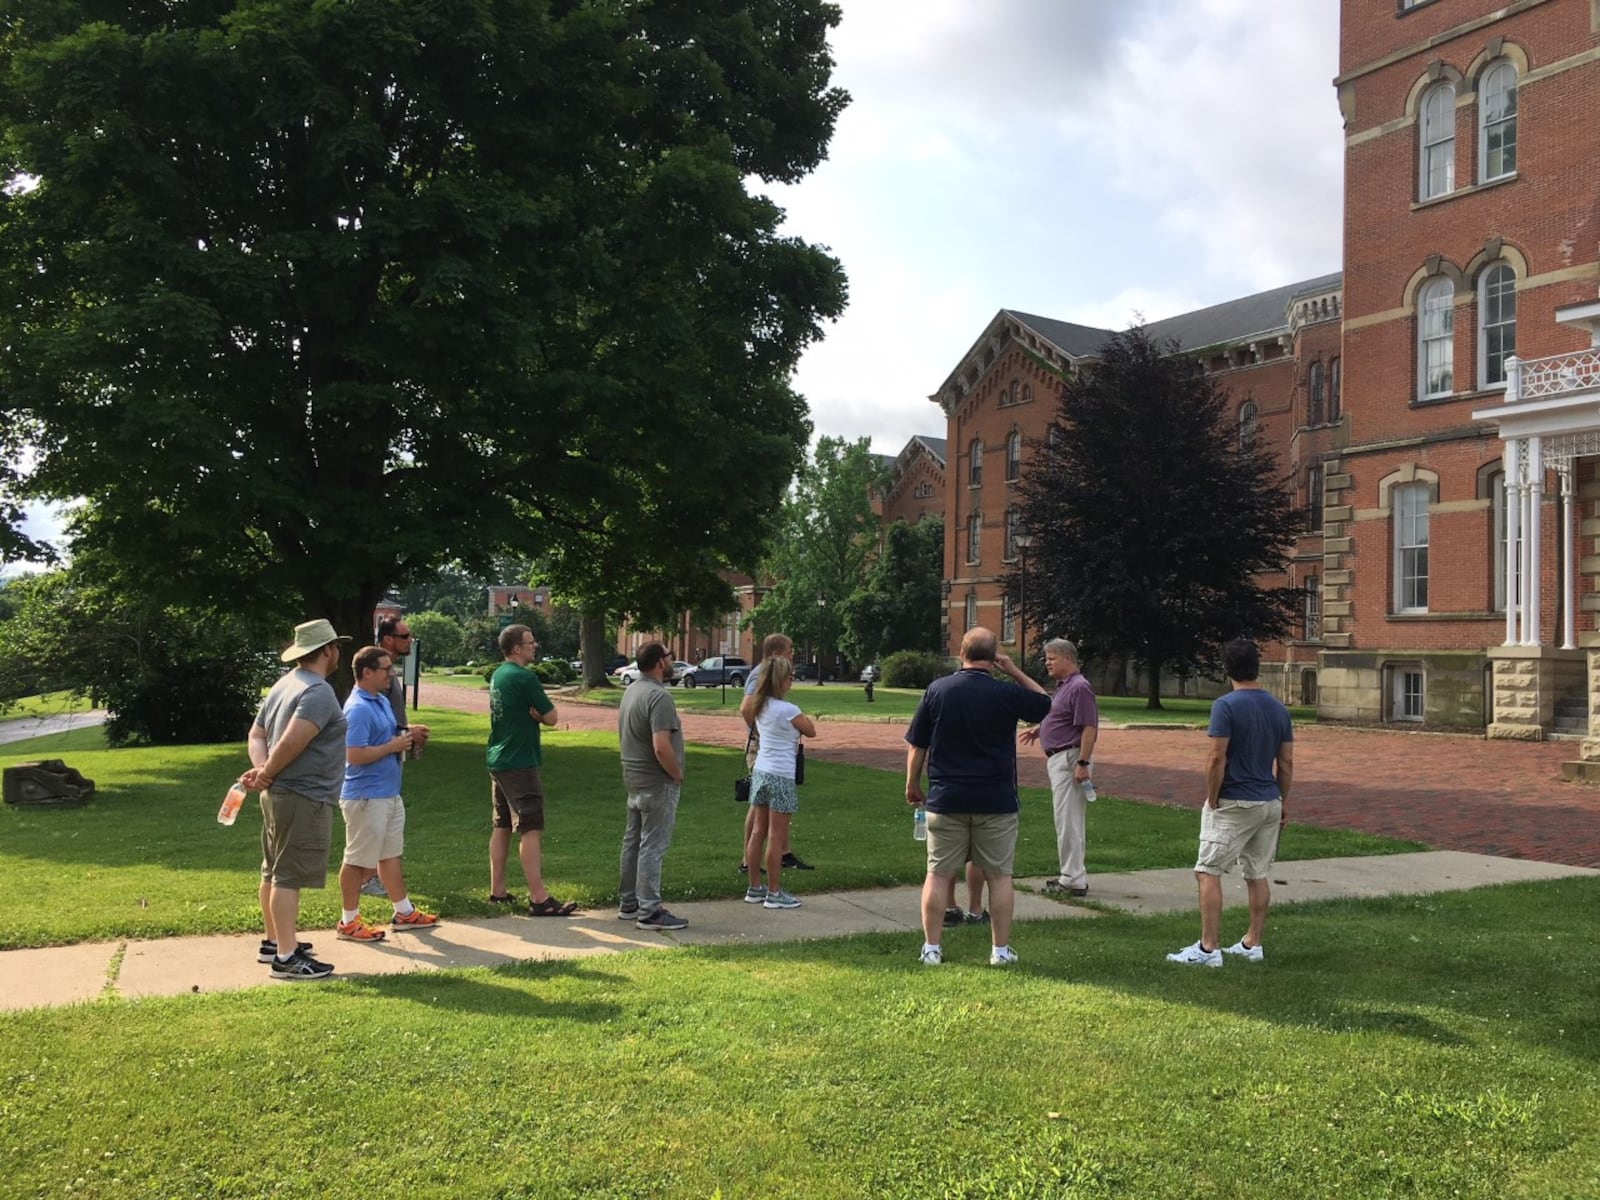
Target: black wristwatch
<point x="1083" y="762"/>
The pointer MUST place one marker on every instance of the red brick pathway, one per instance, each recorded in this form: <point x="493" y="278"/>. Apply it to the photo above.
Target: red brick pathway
<point x="1449" y="791"/>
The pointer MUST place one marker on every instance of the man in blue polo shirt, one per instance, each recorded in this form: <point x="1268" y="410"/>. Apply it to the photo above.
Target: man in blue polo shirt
<point x="374" y="813"/>
<point x="965" y="734"/>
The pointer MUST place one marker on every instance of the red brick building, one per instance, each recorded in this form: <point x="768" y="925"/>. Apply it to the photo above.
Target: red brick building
<point x="917" y="483"/>
<point x="1458" y="348"/>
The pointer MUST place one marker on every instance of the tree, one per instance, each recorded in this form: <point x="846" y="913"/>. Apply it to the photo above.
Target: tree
<point x="898" y="608"/>
<point x="168" y="675"/>
<point x="441" y="637"/>
<point x="826" y="538"/>
<point x="1153" y="523"/>
<point x="417" y="282"/>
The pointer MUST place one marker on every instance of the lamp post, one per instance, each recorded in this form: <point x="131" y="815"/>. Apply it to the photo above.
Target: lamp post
<point x="822" y="613"/>
<point x="1023" y="541"/>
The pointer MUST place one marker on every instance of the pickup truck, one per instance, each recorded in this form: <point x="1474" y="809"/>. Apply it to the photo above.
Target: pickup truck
<point x="718" y="670"/>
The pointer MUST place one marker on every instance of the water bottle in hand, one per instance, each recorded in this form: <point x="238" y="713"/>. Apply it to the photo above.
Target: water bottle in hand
<point x="919" y="823"/>
<point x="231" y="804"/>
<point x="1088" y="791"/>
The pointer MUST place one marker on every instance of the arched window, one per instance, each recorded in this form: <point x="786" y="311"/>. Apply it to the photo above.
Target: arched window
<point x="1333" y="390"/>
<point x="975" y="463"/>
<point x="1313" y="608"/>
<point x="1410" y="547"/>
<point x="1027" y="393"/>
<point x="1497" y="323"/>
<point x="1247" y="424"/>
<point x="1013" y="524"/>
<point x="1314" y="394"/>
<point x="971" y="613"/>
<point x="1497" y="122"/>
<point x="974" y="536"/>
<point x="1436" y="341"/>
<point x="1314" y="498"/>
<point x="1437" y="165"/>
<point x="1014" y="456"/>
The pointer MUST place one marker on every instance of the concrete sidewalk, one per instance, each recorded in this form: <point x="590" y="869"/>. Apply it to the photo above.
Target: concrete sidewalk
<point x="175" y="966"/>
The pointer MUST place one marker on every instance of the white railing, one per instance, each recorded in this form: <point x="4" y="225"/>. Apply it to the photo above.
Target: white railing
<point x="1556" y="375"/>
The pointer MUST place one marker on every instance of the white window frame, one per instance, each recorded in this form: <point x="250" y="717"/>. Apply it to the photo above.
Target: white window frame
<point x="1008" y="619"/>
<point x="1409" y="507"/>
<point x="1249" y="424"/>
<point x="1013" y="523"/>
<point x="1014" y="456"/>
<point x="974" y="536"/>
<point x="1408" y="692"/>
<point x="1314" y="394"/>
<point x="1335" y="382"/>
<point x="1313" y="608"/>
<point x="1436" y="338"/>
<point x="1497" y="323"/>
<point x="1436" y="158"/>
<point x="975" y="463"/>
<point x="970" y="613"/>
<point x="1497" y="115"/>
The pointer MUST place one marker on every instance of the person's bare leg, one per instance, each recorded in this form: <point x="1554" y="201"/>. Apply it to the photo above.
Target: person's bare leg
<point x="936" y="889"/>
<point x="976" y="878"/>
<point x="266" y="908"/>
<point x="777" y="839"/>
<point x="1002" y="903"/>
<point x="350" y="880"/>
<point x="755" y="837"/>
<point x="394" y="878"/>
<point x="1210" y="910"/>
<point x="1260" y="896"/>
<point x="528" y="849"/>
<point x="499" y="850"/>
<point x="285" y="907"/>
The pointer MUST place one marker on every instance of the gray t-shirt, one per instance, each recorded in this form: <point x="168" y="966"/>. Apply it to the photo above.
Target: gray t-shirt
<point x="318" y="771"/>
<point x="397" y="694"/>
<point x="647" y="709"/>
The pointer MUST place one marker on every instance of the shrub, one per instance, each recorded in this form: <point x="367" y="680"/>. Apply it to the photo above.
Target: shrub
<point x="913" y="669"/>
<point x="440" y="636"/>
<point x="554" y="670"/>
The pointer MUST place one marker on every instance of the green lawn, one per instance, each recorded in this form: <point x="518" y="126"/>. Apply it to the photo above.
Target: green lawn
<point x="1435" y="1047"/>
<point x="850" y="700"/>
<point x="51" y="704"/>
<point x="148" y="859"/>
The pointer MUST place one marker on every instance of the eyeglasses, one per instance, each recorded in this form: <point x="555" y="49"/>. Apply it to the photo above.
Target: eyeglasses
<point x="404" y="637"/>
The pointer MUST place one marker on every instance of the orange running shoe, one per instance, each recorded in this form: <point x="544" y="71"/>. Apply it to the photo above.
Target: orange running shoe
<point x="359" y="931"/>
<point x="416" y="919"/>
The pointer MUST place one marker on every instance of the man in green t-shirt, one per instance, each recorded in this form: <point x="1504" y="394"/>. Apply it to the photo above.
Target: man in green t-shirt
<point x="517" y="708"/>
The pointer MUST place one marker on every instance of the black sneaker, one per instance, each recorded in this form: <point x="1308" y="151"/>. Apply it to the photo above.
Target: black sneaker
<point x="973" y="918"/>
<point x="952" y="917"/>
<point x="661" y="919"/>
<point x="269" y="950"/>
<point x="793" y="862"/>
<point x="301" y="968"/>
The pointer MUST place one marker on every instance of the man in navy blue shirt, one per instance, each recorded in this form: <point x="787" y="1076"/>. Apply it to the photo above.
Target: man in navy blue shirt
<point x="1248" y="773"/>
<point x="965" y="734"/>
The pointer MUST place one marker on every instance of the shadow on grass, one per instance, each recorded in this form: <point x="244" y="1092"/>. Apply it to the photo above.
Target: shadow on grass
<point x="498" y="991"/>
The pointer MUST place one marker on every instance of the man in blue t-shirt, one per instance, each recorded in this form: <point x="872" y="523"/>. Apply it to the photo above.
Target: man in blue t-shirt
<point x="1248" y="774"/>
<point x="965" y="734"/>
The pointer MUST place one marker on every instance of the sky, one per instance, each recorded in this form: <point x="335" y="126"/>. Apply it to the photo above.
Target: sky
<point x="1096" y="161"/>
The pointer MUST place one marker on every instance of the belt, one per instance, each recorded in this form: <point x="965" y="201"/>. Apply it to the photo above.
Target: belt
<point x="1060" y="750"/>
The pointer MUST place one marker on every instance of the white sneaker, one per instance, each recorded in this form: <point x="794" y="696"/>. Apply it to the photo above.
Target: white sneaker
<point x="1248" y="953"/>
<point x="932" y="956"/>
<point x="1001" y="955"/>
<point x="1196" y="956"/>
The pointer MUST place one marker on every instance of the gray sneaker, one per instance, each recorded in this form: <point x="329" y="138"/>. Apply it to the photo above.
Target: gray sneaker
<point x="374" y="887"/>
<point x="661" y="919"/>
<point x="780" y="899"/>
<point x="756" y="894"/>
<point x="628" y="914"/>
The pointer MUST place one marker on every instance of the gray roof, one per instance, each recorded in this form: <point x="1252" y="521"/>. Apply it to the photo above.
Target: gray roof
<point x="935" y="446"/>
<point x="1231" y="321"/>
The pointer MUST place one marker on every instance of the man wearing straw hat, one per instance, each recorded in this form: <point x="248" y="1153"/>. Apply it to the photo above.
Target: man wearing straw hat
<point x="297" y="758"/>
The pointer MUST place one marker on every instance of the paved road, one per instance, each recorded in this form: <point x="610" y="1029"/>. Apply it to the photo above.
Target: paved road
<point x="1447" y="790"/>
<point x="20" y="729"/>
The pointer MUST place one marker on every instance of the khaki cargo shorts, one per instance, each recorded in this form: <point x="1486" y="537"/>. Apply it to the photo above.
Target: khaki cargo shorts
<point x="1242" y="831"/>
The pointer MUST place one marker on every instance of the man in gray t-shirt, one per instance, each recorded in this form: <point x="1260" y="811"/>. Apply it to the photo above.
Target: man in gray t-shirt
<point x="652" y="771"/>
<point x="297" y="753"/>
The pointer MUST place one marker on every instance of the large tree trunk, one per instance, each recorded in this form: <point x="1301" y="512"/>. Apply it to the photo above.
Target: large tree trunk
<point x="594" y="650"/>
<point x="352" y="618"/>
<point x="1153" y="692"/>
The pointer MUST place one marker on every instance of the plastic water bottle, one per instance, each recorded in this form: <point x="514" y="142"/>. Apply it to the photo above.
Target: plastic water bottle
<point x="1088" y="791"/>
<point x="919" y="823"/>
<point x="231" y="804"/>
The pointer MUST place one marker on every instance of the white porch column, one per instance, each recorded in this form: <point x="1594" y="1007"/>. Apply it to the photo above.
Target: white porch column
<point x="1512" y="502"/>
<point x="1535" y="516"/>
<point x="1569" y="562"/>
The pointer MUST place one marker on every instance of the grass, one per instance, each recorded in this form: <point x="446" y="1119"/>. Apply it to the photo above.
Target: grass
<point x="1403" y="1047"/>
<point x="147" y="858"/>
<point x="850" y="701"/>
<point x="50" y="704"/>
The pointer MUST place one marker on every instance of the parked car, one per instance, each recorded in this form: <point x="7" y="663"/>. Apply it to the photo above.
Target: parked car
<point x="718" y="670"/>
<point x="870" y="673"/>
<point x="804" y="671"/>
<point x="629" y="673"/>
<point x="680" y="671"/>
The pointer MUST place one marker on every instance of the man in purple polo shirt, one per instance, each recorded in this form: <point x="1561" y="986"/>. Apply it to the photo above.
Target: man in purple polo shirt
<point x="965" y="733"/>
<point x="1068" y="736"/>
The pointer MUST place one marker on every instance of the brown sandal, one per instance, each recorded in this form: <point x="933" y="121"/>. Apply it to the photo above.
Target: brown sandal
<point x="551" y="907"/>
